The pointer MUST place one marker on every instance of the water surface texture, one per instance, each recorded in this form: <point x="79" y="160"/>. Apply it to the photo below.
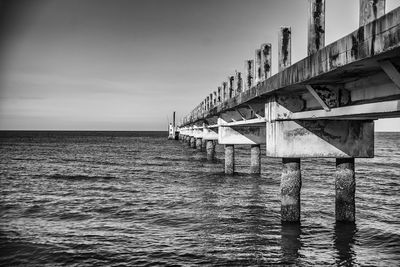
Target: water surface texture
<point x="136" y="199"/>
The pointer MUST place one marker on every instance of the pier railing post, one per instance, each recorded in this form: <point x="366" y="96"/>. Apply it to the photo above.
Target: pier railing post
<point x="371" y="10"/>
<point x="345" y="186"/>
<point x="290" y="190"/>
<point x="210" y="147"/>
<point x="255" y="159"/>
<point x="229" y="159"/>
<point x="249" y="74"/>
<point x="284" y="48"/>
<point x="316" y="25"/>
<point x="257" y="66"/>
<point x="266" y="70"/>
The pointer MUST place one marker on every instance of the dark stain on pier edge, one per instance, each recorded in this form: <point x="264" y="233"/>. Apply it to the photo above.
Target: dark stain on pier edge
<point x="285" y="44"/>
<point x="318" y="28"/>
<point x="332" y="60"/>
<point x="373" y="37"/>
<point x="375" y="8"/>
<point x="356" y="40"/>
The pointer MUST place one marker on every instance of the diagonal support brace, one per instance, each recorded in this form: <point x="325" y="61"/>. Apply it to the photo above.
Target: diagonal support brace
<point x="316" y="96"/>
<point x="391" y="71"/>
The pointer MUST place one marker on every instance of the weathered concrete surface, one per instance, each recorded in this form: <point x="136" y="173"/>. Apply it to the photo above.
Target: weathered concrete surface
<point x="371" y="10"/>
<point x="255" y="159"/>
<point x="250" y="135"/>
<point x="353" y="57"/>
<point x="284" y="48"/>
<point x="320" y="138"/>
<point x="199" y="143"/>
<point x="210" y="134"/>
<point x="210" y="147"/>
<point x="290" y="190"/>
<point x="229" y="159"/>
<point x="345" y="185"/>
<point x="316" y="25"/>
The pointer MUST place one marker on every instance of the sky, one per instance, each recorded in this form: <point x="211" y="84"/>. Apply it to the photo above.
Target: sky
<point x="128" y="64"/>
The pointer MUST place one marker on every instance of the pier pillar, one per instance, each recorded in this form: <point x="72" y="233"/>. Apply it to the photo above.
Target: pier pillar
<point x="203" y="145"/>
<point x="193" y="142"/>
<point x="290" y="190"/>
<point x="345" y="186"/>
<point x="210" y="147"/>
<point x="199" y="143"/>
<point x="255" y="159"/>
<point x="187" y="140"/>
<point x="229" y="159"/>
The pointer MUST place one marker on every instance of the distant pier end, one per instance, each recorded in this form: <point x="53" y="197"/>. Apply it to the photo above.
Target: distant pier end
<point x="173" y="133"/>
<point x="321" y="106"/>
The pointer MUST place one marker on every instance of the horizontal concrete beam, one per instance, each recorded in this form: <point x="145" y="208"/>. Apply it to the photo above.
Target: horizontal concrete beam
<point x="320" y="138"/>
<point x="386" y="109"/>
<point x="248" y="123"/>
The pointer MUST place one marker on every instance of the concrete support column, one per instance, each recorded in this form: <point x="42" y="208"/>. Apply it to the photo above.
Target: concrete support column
<point x="290" y="190"/>
<point x="203" y="145"/>
<point x="199" y="143"/>
<point x="229" y="159"/>
<point x="210" y="147"/>
<point x="345" y="185"/>
<point x="193" y="142"/>
<point x="255" y="159"/>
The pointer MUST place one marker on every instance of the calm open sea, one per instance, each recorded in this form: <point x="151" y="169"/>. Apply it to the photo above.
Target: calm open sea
<point x="136" y="199"/>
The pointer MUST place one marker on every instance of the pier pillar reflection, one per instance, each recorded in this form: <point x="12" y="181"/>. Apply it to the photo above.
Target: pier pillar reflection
<point x="290" y="190"/>
<point x="255" y="159"/>
<point x="210" y="147"/>
<point x="345" y="186"/>
<point x="229" y="159"/>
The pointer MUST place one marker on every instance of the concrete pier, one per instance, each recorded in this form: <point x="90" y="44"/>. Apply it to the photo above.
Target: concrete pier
<point x="199" y="143"/>
<point x="210" y="147"/>
<point x="255" y="159"/>
<point x="290" y="190"/>
<point x="229" y="159"/>
<point x="188" y="140"/>
<point x="322" y="106"/>
<point x="345" y="186"/>
<point x="204" y="145"/>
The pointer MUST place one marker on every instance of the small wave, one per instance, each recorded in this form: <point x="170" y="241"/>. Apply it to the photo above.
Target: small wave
<point x="74" y="216"/>
<point x="79" y="177"/>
